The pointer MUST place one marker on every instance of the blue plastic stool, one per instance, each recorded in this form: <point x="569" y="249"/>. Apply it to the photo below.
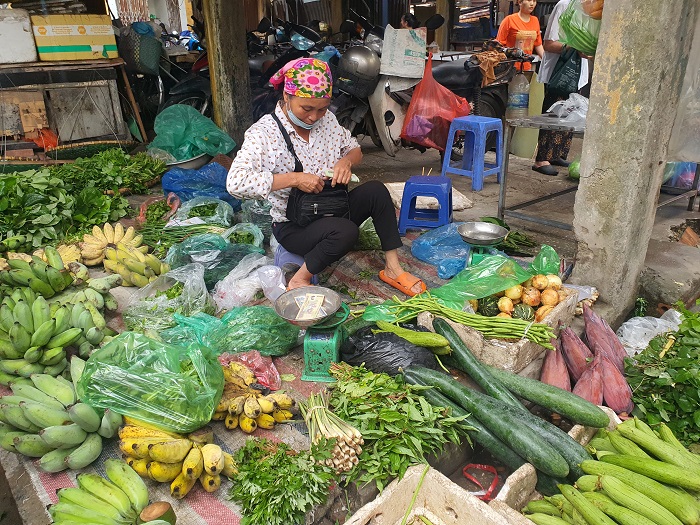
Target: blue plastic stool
<point x="476" y="130"/>
<point x="283" y="257"/>
<point x="420" y="186"/>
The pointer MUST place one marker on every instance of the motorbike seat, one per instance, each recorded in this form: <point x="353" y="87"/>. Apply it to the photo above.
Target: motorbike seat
<point x="450" y="73"/>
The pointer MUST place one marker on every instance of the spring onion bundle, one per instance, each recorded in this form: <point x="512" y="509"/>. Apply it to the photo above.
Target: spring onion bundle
<point x="324" y="424"/>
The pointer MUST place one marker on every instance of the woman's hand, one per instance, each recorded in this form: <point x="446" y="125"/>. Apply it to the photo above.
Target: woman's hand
<point x="309" y="183"/>
<point x="342" y="171"/>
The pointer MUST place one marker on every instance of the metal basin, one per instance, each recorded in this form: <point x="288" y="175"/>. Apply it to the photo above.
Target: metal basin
<point x="288" y="304"/>
<point x="482" y="233"/>
<point x="191" y="164"/>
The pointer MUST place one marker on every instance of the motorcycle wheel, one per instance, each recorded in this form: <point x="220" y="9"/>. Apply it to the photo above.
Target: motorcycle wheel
<point x="489" y="106"/>
<point x="198" y="101"/>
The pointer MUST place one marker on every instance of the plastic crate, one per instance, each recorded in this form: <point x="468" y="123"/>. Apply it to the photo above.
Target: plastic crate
<point x="437" y="498"/>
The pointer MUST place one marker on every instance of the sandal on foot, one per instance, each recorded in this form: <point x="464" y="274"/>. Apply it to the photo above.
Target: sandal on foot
<point x="404" y="282"/>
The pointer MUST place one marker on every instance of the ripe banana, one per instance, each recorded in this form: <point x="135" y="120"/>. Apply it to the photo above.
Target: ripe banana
<point x="251" y="407"/>
<point x="236" y="405"/>
<point x="231" y="421"/>
<point x="181" y="486"/>
<point x="210" y="482"/>
<point x="55" y="461"/>
<point x="267" y="405"/>
<point x="137" y="447"/>
<point x="219" y="416"/>
<point x="140" y="466"/>
<point x="137" y="431"/>
<point x="62" y="391"/>
<point x="164" y="472"/>
<point x="265" y="421"/>
<point x="63" y="436"/>
<point x="31" y="445"/>
<point x="230" y="468"/>
<point x="85" y="417"/>
<point x="109" y="424"/>
<point x="86" y="453"/>
<point x="248" y="425"/>
<point x="213" y="458"/>
<point x="106" y="491"/>
<point x="173" y="451"/>
<point x="193" y="465"/>
<point x="282" y="416"/>
<point x="129" y="482"/>
<point x="284" y="401"/>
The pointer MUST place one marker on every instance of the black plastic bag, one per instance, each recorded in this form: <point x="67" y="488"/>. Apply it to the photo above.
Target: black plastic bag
<point x="385" y="352"/>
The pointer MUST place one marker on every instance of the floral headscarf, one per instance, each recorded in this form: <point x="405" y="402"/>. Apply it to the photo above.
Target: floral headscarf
<point x="305" y="77"/>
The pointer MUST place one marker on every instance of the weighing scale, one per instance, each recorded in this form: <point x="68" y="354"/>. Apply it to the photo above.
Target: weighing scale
<point x="481" y="237"/>
<point x="322" y="346"/>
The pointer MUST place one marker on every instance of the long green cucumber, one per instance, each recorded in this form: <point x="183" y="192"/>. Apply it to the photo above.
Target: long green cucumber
<point x="552" y="398"/>
<point x="469" y="364"/>
<point x="657" y="470"/>
<point x="659" y="448"/>
<point x="626" y="446"/>
<point x="520" y="437"/>
<point x="629" y="497"/>
<point x="482" y="435"/>
<point x="682" y="505"/>
<point x="546" y="519"/>
<point x="591" y="513"/>
<point x="620" y="514"/>
<point x="543" y="507"/>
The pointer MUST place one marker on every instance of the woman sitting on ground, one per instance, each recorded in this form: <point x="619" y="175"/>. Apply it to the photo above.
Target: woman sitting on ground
<point x="264" y="168"/>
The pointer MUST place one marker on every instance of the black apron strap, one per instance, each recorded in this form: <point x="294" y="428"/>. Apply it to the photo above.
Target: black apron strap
<point x="298" y="167"/>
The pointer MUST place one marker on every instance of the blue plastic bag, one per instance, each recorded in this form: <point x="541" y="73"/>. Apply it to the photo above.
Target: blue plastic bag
<point x="442" y="247"/>
<point x="207" y="181"/>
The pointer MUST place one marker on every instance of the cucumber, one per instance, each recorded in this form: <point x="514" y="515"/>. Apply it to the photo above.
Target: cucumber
<point x="620" y="514"/>
<point x="482" y="435"/>
<point x="657" y="470"/>
<point x="592" y="514"/>
<point x="552" y="398"/>
<point x="490" y="412"/>
<point x="543" y="507"/>
<point x="625" y="446"/>
<point x="624" y="495"/>
<point x="467" y="363"/>
<point x="545" y="519"/>
<point x="682" y="505"/>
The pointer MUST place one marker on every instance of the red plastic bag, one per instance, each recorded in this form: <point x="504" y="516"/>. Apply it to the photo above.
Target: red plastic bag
<point x="262" y="366"/>
<point x="431" y="111"/>
<point x="172" y="200"/>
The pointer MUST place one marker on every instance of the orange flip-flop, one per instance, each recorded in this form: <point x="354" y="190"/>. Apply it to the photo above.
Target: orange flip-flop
<point x="404" y="282"/>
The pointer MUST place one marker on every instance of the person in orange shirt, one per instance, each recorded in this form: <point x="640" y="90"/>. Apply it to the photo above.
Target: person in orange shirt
<point x="522" y="30"/>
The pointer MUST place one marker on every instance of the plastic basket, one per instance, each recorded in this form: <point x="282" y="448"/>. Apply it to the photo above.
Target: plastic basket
<point x="140" y="52"/>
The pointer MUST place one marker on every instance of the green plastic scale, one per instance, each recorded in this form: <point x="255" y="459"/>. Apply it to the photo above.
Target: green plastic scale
<point x="322" y="346"/>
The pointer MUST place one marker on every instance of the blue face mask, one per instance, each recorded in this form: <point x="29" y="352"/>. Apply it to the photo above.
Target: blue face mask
<point x="298" y="122"/>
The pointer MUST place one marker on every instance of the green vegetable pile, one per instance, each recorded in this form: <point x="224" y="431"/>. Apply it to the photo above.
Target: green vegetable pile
<point x="276" y="485"/>
<point x="203" y="210"/>
<point x="155" y="212"/>
<point x="665" y="380"/>
<point x="515" y="243"/>
<point x="398" y="425"/>
<point x="161" y="239"/>
<point x="241" y="237"/>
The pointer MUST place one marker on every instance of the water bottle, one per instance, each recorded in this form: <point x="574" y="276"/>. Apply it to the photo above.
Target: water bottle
<point x="518" y="97"/>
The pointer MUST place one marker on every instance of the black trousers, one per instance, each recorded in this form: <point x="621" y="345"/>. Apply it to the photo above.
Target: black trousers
<point x="327" y="240"/>
<point x="552" y="145"/>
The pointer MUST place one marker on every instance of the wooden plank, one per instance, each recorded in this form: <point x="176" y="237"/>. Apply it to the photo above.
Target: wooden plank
<point x="689" y="237"/>
<point x="61" y="65"/>
<point x="30" y="108"/>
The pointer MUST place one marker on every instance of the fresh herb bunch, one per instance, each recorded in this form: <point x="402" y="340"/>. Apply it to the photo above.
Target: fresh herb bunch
<point x="241" y="237"/>
<point x="515" y="243"/>
<point x="172" y="292"/>
<point x="155" y="212"/>
<point x="203" y="210"/>
<point x="665" y="379"/>
<point x="276" y="485"/>
<point x="111" y="169"/>
<point x="161" y="239"/>
<point x="398" y="425"/>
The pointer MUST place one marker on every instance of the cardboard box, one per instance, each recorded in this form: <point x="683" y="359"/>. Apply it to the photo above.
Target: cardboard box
<point x="513" y="356"/>
<point x="22" y="112"/>
<point x="74" y="37"/>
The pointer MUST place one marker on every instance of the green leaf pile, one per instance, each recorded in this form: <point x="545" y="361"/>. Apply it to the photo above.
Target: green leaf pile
<point x="665" y="380"/>
<point x="276" y="485"/>
<point x="399" y="426"/>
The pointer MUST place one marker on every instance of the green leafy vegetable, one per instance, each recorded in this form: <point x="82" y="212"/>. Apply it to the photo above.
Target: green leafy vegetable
<point x="399" y="426"/>
<point x="665" y="379"/>
<point x="156" y="211"/>
<point x="276" y="485"/>
<point x="203" y="210"/>
<point x="242" y="237"/>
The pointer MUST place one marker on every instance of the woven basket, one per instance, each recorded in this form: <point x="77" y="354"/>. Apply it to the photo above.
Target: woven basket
<point x="88" y="149"/>
<point x="140" y="52"/>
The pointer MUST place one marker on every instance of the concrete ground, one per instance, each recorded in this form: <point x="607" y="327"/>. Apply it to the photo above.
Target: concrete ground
<point x="671" y="272"/>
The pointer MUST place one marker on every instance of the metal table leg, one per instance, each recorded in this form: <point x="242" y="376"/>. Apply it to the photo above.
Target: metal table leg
<point x="508" y="131"/>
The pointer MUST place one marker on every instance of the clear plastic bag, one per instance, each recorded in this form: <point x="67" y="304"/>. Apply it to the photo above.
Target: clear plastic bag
<point x="175" y="388"/>
<point x="207" y="181"/>
<point x="368" y="238"/>
<point x="204" y="210"/>
<point x="242" y="283"/>
<point x="432" y="109"/>
<point x="262" y="366"/>
<point x="636" y="333"/>
<point x="272" y="282"/>
<point x="244" y="233"/>
<point x="253" y="328"/>
<point x="572" y="110"/>
<point x="151" y="308"/>
<point x="213" y="252"/>
<point x="185" y="133"/>
<point x="579" y="30"/>
<point x="258" y="212"/>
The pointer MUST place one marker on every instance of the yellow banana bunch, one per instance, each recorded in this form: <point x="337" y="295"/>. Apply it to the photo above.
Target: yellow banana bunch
<point x="68" y="253"/>
<point x="94" y="245"/>
<point x="135" y="267"/>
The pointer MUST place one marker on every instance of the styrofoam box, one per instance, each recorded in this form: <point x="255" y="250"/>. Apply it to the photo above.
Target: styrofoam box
<point x="513" y="356"/>
<point x="16" y="31"/>
<point x="519" y="487"/>
<point x="438" y="499"/>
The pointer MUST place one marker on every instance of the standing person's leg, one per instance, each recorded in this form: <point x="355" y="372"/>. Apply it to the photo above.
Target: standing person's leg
<point x="372" y="199"/>
<point x="551" y="145"/>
